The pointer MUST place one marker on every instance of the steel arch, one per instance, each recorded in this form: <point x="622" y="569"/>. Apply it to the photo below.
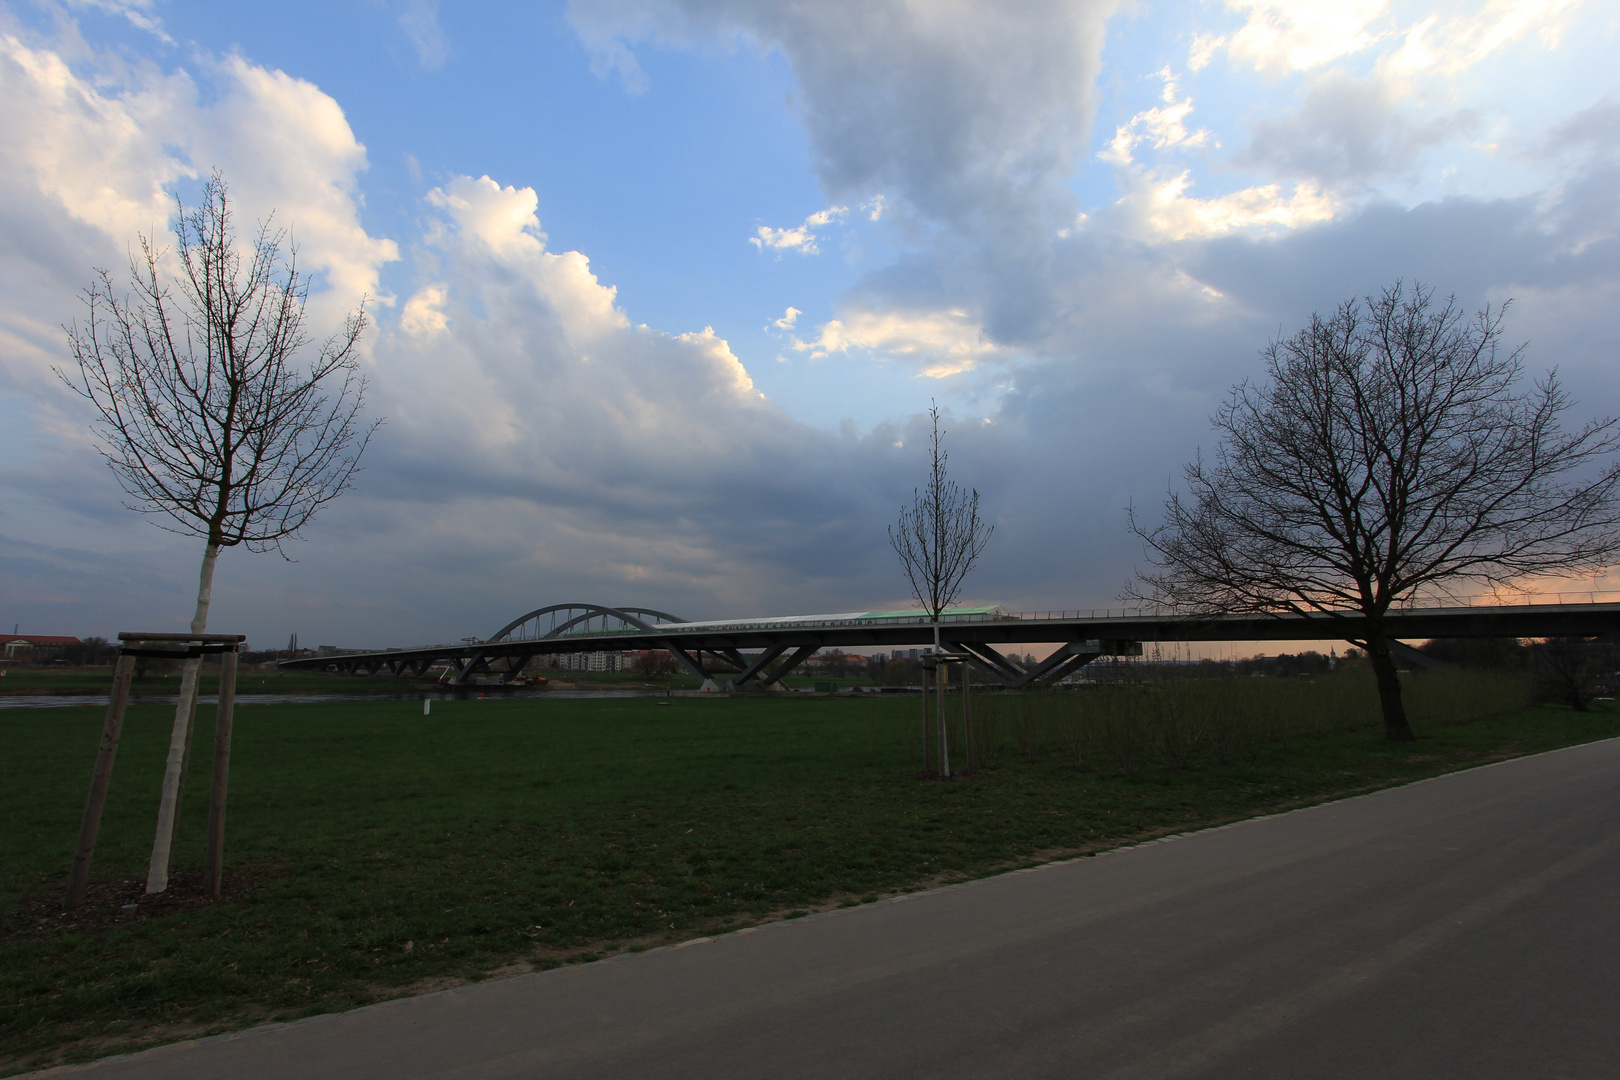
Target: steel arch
<point x="627" y="615"/>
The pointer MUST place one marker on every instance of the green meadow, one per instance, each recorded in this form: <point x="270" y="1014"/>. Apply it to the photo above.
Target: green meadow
<point x="374" y="852"/>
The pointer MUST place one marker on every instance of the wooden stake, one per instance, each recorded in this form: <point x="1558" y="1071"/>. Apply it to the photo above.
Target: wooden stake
<point x="215" y="869"/>
<point x="100" y="778"/>
<point x="967" y="713"/>
<point x="925" y="718"/>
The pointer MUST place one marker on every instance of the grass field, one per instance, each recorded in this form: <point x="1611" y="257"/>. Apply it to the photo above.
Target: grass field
<point x="374" y="852"/>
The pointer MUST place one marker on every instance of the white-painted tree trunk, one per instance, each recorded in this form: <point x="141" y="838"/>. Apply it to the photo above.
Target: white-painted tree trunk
<point x="157" y="872"/>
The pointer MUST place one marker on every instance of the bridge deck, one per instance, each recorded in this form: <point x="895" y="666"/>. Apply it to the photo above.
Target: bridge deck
<point x="1087" y="635"/>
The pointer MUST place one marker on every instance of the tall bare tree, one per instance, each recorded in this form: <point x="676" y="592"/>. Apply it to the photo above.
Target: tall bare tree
<point x="208" y="413"/>
<point x="939" y="538"/>
<point x="1389" y="450"/>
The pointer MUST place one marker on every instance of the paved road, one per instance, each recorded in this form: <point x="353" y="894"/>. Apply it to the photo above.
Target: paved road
<point x="1464" y="927"/>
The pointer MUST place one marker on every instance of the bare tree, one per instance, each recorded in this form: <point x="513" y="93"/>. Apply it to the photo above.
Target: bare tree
<point x="206" y="413"/>
<point x="939" y="538"/>
<point x="1389" y="452"/>
<point x="1572" y="671"/>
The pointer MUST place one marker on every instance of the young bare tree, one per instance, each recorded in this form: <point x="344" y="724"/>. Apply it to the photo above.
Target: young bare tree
<point x="1389" y="451"/>
<point x="939" y="538"/>
<point x="207" y="412"/>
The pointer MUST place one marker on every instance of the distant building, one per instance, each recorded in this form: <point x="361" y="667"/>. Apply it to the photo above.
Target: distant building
<point x="34" y="646"/>
<point x="595" y="661"/>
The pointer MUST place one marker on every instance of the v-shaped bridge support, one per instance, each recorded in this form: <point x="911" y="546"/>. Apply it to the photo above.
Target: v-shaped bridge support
<point x="1063" y="662"/>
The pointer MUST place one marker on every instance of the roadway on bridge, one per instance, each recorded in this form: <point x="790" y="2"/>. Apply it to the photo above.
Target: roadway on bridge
<point x="1462" y="927"/>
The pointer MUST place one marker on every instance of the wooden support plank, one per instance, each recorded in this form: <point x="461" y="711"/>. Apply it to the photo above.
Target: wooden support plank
<point x="967" y="712"/>
<point x="215" y="868"/>
<point x="100" y="779"/>
<point x="925" y="740"/>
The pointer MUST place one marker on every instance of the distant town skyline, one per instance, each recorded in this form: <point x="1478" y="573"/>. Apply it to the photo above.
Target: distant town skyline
<point x="663" y="289"/>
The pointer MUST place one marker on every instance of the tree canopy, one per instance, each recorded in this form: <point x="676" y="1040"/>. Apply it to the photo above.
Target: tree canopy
<point x="1391" y="451"/>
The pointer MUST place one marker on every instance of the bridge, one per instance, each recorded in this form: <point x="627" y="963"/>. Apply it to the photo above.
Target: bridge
<point x="749" y="653"/>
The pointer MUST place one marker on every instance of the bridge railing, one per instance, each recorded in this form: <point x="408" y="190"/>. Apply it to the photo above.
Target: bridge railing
<point x="1417" y="603"/>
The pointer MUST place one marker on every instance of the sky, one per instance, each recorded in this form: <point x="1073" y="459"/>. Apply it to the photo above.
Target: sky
<point x="662" y="290"/>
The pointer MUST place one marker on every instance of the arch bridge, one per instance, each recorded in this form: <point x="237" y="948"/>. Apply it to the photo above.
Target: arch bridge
<point x="757" y="653"/>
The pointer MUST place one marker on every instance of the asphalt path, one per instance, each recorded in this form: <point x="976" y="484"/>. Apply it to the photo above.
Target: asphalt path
<point x="1466" y="926"/>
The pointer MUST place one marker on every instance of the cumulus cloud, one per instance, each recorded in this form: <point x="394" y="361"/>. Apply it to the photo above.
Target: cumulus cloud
<point x="1160" y="127"/>
<point x="651" y="452"/>
<point x="937" y="343"/>
<point x="88" y="160"/>
<point x="1163" y="209"/>
<point x="90" y="151"/>
<point x="1300" y="35"/>
<point x="800" y="238"/>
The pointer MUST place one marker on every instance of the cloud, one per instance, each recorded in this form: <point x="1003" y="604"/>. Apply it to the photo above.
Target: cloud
<point x="1348" y="131"/>
<point x="139" y="13"/>
<point x="1446" y="47"/>
<point x="1280" y="36"/>
<point x="938" y="343"/>
<point x="788" y="319"/>
<point x="956" y="108"/>
<point x="635" y="441"/>
<point x="801" y="238"/>
<point x="1161" y="127"/>
<point x="1592" y="131"/>
<point x="419" y="19"/>
<point x="1163" y="210"/>
<point x="1300" y="34"/>
<point x="90" y="154"/>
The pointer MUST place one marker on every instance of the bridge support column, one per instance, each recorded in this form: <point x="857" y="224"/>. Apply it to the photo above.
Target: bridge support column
<point x="989" y="661"/>
<point x="759" y="663"/>
<point x="1400" y="650"/>
<point x="1076" y="655"/>
<point x="692" y="666"/>
<point x="476" y="664"/>
<point x="515" y="666"/>
<point x="800" y="655"/>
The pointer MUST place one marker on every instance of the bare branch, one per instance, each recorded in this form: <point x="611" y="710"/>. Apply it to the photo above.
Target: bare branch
<point x="940" y="536"/>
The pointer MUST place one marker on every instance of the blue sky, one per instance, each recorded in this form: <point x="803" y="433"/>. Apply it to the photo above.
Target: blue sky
<point x="662" y="288"/>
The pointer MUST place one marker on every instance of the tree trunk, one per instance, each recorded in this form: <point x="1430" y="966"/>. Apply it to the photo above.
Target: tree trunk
<point x="157" y="870"/>
<point x="1389" y="689"/>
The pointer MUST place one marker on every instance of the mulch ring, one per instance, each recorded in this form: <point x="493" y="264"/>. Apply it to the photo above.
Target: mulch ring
<point x="120" y="902"/>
